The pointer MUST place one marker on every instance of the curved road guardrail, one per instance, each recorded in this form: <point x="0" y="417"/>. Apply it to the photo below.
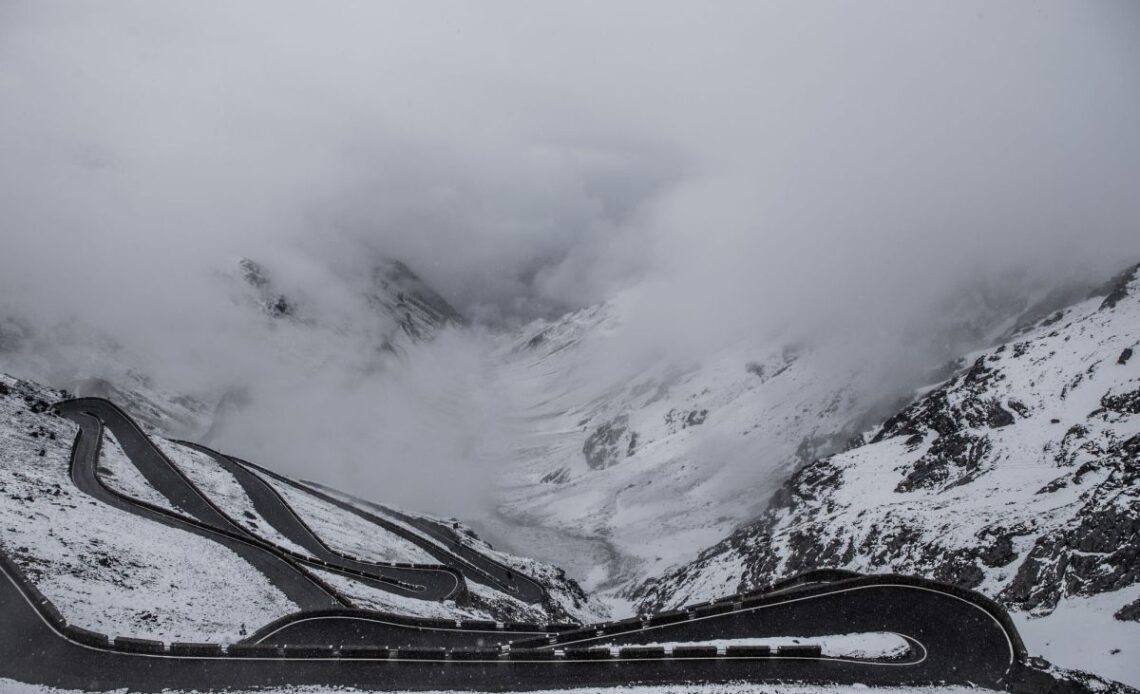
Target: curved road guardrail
<point x="954" y="637"/>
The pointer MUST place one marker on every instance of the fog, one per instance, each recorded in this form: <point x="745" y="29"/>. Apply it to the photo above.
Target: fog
<point x="731" y="171"/>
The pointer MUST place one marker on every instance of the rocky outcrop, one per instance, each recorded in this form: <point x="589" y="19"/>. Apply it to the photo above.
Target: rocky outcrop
<point x="609" y="443"/>
<point x="271" y="302"/>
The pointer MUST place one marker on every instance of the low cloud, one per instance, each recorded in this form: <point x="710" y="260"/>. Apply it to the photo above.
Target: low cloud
<point x="732" y="172"/>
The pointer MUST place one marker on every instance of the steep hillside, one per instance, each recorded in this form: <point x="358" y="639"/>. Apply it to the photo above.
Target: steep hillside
<point x="114" y="571"/>
<point x="623" y="467"/>
<point x="402" y="309"/>
<point x="388" y="311"/>
<point x="1018" y="477"/>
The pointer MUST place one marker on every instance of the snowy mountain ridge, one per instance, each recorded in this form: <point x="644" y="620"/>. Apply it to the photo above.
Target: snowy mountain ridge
<point x="392" y="311"/>
<point x="626" y="473"/>
<point x="1019" y="477"/>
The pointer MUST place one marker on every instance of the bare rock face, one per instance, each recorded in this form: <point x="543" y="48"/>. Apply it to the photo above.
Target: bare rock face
<point x="1018" y="477"/>
<point x="272" y="303"/>
<point x="610" y="442"/>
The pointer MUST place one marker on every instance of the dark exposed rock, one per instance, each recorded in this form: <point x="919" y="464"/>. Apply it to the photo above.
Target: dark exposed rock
<point x="1129" y="613"/>
<point x="413" y="294"/>
<point x="253" y="273"/>
<point x="1124" y="403"/>
<point x="951" y="459"/>
<point x="1041" y="678"/>
<point x="1117" y="288"/>
<point x="1056" y="485"/>
<point x="1124" y="356"/>
<point x="274" y="305"/>
<point x="281" y="307"/>
<point x="685" y="419"/>
<point x="955" y="437"/>
<point x="609" y="443"/>
<point x="1000" y="553"/>
<point x="559" y="476"/>
<point x="959" y="568"/>
<point x="998" y="416"/>
<point x="1099" y="552"/>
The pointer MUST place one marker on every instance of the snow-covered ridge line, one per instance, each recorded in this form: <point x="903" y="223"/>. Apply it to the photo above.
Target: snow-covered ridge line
<point x="93" y="562"/>
<point x="1017" y="477"/>
<point x="47" y="432"/>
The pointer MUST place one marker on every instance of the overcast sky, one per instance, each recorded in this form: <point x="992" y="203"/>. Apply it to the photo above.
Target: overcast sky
<point x="570" y="149"/>
<point x="775" y="161"/>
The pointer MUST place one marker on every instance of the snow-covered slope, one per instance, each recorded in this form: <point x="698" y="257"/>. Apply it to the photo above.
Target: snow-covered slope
<point x="378" y="311"/>
<point x="627" y="474"/>
<point x="621" y="468"/>
<point x="106" y="569"/>
<point x="119" y="573"/>
<point x="403" y="309"/>
<point x="1018" y="477"/>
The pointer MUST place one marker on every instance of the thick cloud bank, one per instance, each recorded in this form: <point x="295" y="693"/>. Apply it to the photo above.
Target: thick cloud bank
<point x="735" y="168"/>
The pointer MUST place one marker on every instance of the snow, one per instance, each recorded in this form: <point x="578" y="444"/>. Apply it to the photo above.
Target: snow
<point x="686" y="482"/>
<point x="106" y="569"/>
<point x="1057" y="374"/>
<point x="1081" y="634"/>
<point x="118" y="473"/>
<point x="223" y="489"/>
<point x="348" y="533"/>
<point x="368" y="597"/>
<point x="580" y="608"/>
<point x="874" y="645"/>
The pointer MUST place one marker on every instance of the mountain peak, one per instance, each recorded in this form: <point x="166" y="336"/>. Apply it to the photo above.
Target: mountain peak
<point x="1121" y="286"/>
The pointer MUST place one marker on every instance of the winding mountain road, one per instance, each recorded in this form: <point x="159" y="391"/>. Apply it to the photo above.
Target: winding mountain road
<point x="285" y="576"/>
<point x="951" y="635"/>
<point x="485" y="570"/>
<point x="277" y="512"/>
<point x="430" y="583"/>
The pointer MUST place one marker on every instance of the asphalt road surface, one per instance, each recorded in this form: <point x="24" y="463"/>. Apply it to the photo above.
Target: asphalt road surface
<point x="953" y="635"/>
<point x="435" y="583"/>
